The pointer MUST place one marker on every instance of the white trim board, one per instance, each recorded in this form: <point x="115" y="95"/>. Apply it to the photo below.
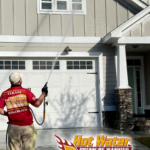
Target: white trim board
<point x="48" y="39"/>
<point x="133" y="40"/>
<point x="128" y="25"/>
<point x="49" y="54"/>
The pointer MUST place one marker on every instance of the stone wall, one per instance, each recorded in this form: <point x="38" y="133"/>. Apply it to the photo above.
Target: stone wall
<point x="124" y="114"/>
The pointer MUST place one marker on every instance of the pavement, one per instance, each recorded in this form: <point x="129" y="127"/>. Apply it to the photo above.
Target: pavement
<point x="47" y="141"/>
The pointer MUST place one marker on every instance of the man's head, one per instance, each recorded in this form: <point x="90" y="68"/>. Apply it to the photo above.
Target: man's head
<point x="15" y="78"/>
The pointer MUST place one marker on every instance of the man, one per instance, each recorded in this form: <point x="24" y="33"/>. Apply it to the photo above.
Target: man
<point x="17" y="99"/>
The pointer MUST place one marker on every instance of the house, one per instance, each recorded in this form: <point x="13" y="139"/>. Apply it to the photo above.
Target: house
<point x="104" y="80"/>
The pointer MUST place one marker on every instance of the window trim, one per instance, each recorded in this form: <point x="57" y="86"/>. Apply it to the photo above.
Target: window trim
<point x="80" y="65"/>
<point x="45" y="65"/>
<point x="40" y="7"/>
<point x="12" y="65"/>
<point x="52" y="11"/>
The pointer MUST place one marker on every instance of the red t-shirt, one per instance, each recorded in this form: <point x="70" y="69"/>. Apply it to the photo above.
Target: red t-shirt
<point x="17" y="100"/>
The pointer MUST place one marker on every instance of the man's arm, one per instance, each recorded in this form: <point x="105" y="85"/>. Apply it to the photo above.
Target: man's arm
<point x="40" y="100"/>
<point x="3" y="112"/>
<point x="43" y="95"/>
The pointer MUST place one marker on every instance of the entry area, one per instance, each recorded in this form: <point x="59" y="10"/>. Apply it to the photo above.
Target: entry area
<point x="73" y="99"/>
<point x="136" y="81"/>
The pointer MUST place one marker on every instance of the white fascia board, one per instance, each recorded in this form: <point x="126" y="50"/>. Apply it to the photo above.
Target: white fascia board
<point x="134" y="40"/>
<point x="128" y="25"/>
<point x="49" y="54"/>
<point x="48" y="39"/>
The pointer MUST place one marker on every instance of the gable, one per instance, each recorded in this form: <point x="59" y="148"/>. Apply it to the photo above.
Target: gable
<point x="136" y="26"/>
<point x="140" y="30"/>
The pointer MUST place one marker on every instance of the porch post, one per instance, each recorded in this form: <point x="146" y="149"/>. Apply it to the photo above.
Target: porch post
<point x="123" y="92"/>
<point x="121" y="66"/>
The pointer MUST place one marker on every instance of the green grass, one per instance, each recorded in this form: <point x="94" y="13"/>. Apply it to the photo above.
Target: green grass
<point x="144" y="140"/>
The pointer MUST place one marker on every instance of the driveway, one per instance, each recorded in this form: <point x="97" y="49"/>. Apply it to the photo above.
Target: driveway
<point x="47" y="141"/>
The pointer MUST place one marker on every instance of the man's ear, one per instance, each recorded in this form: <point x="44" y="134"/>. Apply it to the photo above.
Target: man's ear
<point x="20" y="81"/>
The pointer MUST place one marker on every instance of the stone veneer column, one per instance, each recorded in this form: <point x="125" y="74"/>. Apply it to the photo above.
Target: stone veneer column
<point x="124" y="114"/>
<point x="123" y="95"/>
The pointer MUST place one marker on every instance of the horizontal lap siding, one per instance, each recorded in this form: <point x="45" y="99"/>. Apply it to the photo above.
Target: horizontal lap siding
<point x="19" y="17"/>
<point x="109" y="75"/>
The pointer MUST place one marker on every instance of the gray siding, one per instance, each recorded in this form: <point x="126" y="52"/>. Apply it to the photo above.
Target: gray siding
<point x="19" y="17"/>
<point x="142" y="29"/>
<point x="109" y="75"/>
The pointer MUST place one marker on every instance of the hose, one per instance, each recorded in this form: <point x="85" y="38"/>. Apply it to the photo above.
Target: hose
<point x="43" y="114"/>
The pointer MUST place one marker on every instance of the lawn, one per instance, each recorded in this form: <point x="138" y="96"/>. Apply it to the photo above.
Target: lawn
<point x="144" y="140"/>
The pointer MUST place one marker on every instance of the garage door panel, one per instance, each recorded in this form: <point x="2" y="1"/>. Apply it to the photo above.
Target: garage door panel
<point x="70" y="93"/>
<point x="90" y="120"/>
<point x="88" y="92"/>
<point x="55" y="79"/>
<point x="54" y="93"/>
<point x="87" y="79"/>
<point x="4" y="82"/>
<point x="70" y="78"/>
<point x="36" y="79"/>
<point x="67" y="107"/>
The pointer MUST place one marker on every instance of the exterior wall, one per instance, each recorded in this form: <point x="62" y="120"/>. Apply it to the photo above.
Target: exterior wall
<point x="19" y="17"/>
<point x="109" y="75"/>
<point x="142" y="29"/>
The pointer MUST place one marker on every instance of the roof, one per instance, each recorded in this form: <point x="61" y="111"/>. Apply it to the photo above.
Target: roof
<point x="127" y="26"/>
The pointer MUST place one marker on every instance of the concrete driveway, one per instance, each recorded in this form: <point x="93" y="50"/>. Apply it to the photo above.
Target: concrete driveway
<point x="47" y="141"/>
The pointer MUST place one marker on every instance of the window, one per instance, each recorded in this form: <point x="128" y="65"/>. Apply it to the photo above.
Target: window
<point x="82" y="65"/>
<point x="12" y="65"/>
<point x="62" y="6"/>
<point x="45" y="65"/>
<point x="133" y="62"/>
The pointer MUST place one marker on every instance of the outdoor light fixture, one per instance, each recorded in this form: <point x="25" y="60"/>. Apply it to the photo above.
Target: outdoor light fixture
<point x="67" y="49"/>
<point x="135" y="46"/>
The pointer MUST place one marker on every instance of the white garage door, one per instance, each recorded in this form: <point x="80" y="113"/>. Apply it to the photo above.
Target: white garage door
<point x="73" y="90"/>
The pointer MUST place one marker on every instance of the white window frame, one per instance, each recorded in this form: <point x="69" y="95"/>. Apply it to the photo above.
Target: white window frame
<point x="40" y="7"/>
<point x="67" y="10"/>
<point x="77" y="3"/>
<point x="55" y="11"/>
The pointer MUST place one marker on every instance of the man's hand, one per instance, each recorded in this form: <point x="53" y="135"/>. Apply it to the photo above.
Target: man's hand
<point x="3" y="112"/>
<point x="45" y="89"/>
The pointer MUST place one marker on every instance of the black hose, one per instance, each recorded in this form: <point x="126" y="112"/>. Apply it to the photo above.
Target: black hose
<point x="6" y="137"/>
<point x="43" y="114"/>
<point x="35" y="118"/>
